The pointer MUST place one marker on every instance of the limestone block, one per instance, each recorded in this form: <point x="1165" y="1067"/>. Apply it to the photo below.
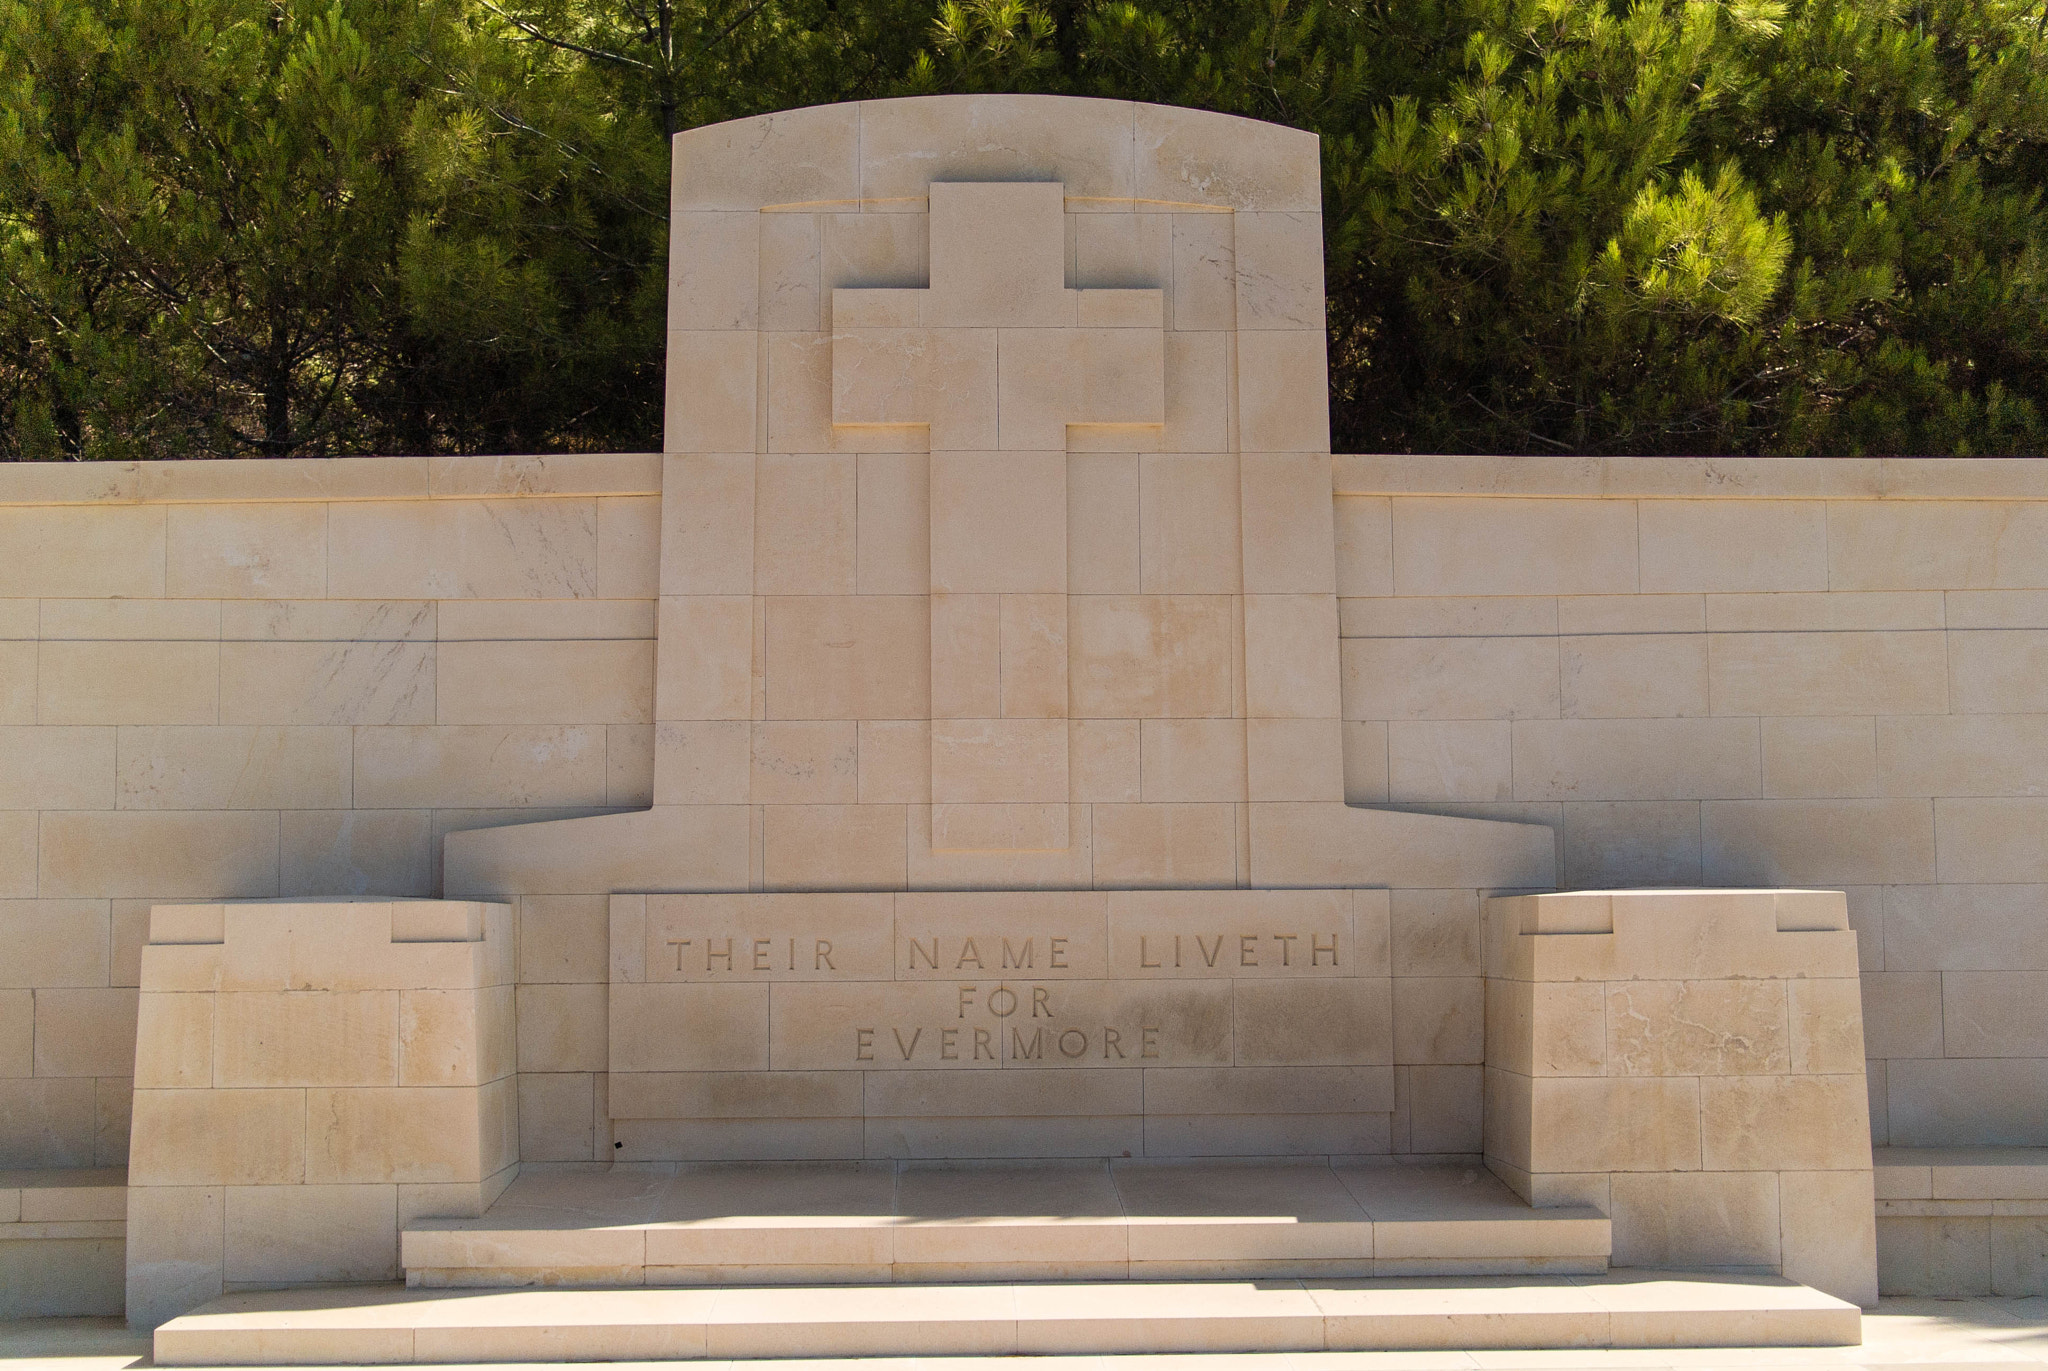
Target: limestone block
<point x="713" y="678"/>
<point x="999" y="522"/>
<point x="906" y="145"/>
<point x="892" y="522"/>
<point x="1365" y="545"/>
<point x="704" y="846"/>
<point x="1104" y="760"/>
<point x="1625" y="843"/>
<point x="216" y="1137"/>
<point x="479" y="765"/>
<point x="327" y="683"/>
<point x="1153" y="656"/>
<point x="1450" y="678"/>
<point x="237" y="551"/>
<point x="1961" y="755"/>
<point x="1192" y="759"/>
<point x="1820" y="841"/>
<point x="1828" y="1237"/>
<point x="84" y="551"/>
<point x="629" y="547"/>
<point x="702" y="761"/>
<point x="414" y="1135"/>
<point x="1326" y="845"/>
<point x="1679" y="1219"/>
<point x="557" y="1119"/>
<point x="529" y="549"/>
<point x="707" y="524"/>
<point x="714" y="268"/>
<point x="54" y="943"/>
<point x="1827" y="1025"/>
<point x="158" y="855"/>
<point x="895" y="762"/>
<point x="1365" y="762"/>
<point x="175" y="1250"/>
<point x="355" y="852"/>
<point x="18" y="681"/>
<point x="1835" y="610"/>
<point x="337" y="621"/>
<point x="1294" y="759"/>
<point x="889" y="377"/>
<point x="1466" y="760"/>
<point x="600" y="682"/>
<point x="1165" y="844"/>
<point x="873" y="250"/>
<point x="46" y="1122"/>
<point x="1615" y="1123"/>
<point x="1280" y="391"/>
<point x="1636" y="759"/>
<point x="1813" y="758"/>
<point x="232" y="768"/>
<point x="1966" y="1102"/>
<point x="1788" y="1123"/>
<point x="793" y="156"/>
<point x="310" y="1233"/>
<point x="1514" y="547"/>
<point x="983" y="761"/>
<point x="847" y="847"/>
<point x="1197" y="397"/>
<point x="1633" y="676"/>
<point x="1962" y="928"/>
<point x="997" y="254"/>
<point x="1291" y="658"/>
<point x="805" y="762"/>
<point x="967" y="656"/>
<point x="629" y="765"/>
<point x="804" y="525"/>
<point x="1950" y="545"/>
<point x="1279" y="269"/>
<point x="1192" y="156"/>
<point x="1104" y="538"/>
<point x="1289" y="524"/>
<point x="1034" y="656"/>
<point x="1188" y="524"/>
<point x="848" y="657"/>
<point x="1997" y="672"/>
<point x="128" y="683"/>
<point x="1828" y="673"/>
<point x="711" y="390"/>
<point x="1736" y="545"/>
<point x="1439" y="1019"/>
<point x="85" y="1032"/>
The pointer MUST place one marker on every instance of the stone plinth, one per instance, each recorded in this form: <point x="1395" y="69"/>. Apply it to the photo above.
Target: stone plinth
<point x="1691" y="1063"/>
<point x="1001" y="1024"/>
<point x="309" y="1077"/>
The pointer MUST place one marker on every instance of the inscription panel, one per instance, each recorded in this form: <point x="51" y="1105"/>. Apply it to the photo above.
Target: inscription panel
<point x="729" y="1008"/>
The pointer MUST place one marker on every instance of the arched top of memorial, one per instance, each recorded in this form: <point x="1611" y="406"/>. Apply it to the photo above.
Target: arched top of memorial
<point x="1110" y="150"/>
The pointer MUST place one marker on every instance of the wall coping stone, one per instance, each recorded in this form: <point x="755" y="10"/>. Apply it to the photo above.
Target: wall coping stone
<point x="330" y="478"/>
<point x="639" y="473"/>
<point x="1697" y="478"/>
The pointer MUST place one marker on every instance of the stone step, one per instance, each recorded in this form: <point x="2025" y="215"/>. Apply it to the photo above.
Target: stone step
<point x="860" y="1224"/>
<point x="390" y="1325"/>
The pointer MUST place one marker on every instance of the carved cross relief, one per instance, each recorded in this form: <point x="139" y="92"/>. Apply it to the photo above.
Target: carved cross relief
<point x="997" y="356"/>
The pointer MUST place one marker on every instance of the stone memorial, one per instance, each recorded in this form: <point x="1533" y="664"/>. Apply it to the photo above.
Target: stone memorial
<point x="995" y="840"/>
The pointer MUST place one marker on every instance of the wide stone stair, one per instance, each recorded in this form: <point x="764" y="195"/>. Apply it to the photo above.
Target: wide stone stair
<point x="887" y="1259"/>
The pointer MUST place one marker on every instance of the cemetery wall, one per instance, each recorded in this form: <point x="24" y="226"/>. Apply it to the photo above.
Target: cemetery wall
<point x="229" y="680"/>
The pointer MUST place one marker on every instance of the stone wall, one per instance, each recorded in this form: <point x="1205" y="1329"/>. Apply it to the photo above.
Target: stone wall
<point x="1743" y="673"/>
<point x="246" y="679"/>
<point x="259" y="679"/>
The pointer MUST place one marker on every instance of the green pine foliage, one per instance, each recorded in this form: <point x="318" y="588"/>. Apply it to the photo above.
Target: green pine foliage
<point x="311" y="227"/>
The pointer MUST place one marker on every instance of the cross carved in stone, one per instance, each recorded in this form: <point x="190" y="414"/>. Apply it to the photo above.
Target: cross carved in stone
<point x="998" y="357"/>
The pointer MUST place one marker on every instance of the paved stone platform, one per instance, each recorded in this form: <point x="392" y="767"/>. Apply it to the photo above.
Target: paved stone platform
<point x="392" y="1325"/>
<point x="873" y="1223"/>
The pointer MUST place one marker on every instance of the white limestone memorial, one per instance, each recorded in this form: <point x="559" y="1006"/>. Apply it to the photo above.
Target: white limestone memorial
<point x="993" y="929"/>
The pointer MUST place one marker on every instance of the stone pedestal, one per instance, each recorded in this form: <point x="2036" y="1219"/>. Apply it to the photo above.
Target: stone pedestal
<point x="309" y="1078"/>
<point x="1691" y="1063"/>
